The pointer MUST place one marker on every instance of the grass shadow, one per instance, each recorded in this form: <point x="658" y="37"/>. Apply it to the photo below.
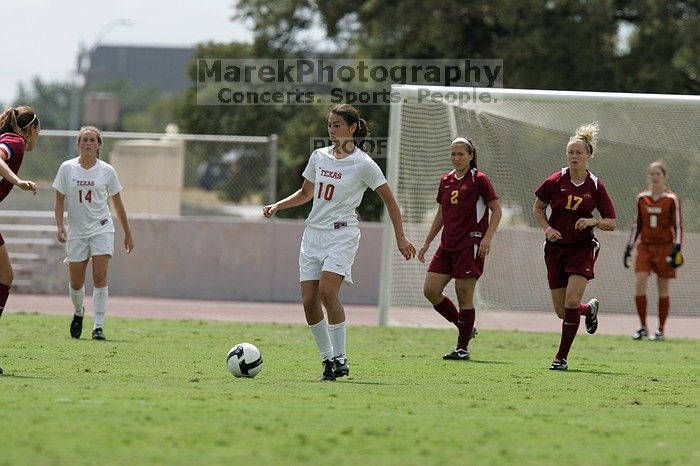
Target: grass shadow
<point x="17" y="376"/>
<point x="583" y="371"/>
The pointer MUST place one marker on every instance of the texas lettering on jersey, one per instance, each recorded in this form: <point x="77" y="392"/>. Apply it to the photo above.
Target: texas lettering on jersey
<point x="331" y="174"/>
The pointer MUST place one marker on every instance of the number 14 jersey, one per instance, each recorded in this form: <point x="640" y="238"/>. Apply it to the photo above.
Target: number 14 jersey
<point x="87" y="194"/>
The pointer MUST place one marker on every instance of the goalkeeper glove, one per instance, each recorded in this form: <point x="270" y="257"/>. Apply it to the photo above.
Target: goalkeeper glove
<point x="628" y="253"/>
<point x="675" y="258"/>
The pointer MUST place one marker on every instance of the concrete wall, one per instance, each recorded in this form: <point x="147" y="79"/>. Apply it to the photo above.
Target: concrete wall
<point x="151" y="173"/>
<point x="198" y="258"/>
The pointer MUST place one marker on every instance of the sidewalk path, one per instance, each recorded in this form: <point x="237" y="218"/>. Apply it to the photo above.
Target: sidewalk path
<point x="236" y="311"/>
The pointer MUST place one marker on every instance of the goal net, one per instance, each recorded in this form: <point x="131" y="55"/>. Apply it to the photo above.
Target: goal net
<point x="521" y="139"/>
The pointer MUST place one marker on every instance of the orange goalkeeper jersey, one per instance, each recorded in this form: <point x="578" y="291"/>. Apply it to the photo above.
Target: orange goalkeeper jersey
<point x="657" y="221"/>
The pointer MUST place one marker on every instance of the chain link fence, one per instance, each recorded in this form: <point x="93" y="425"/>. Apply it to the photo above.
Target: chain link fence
<point x="223" y="175"/>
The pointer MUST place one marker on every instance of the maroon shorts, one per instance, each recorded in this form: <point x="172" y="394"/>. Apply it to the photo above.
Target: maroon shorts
<point x="652" y="258"/>
<point x="577" y="259"/>
<point x="464" y="263"/>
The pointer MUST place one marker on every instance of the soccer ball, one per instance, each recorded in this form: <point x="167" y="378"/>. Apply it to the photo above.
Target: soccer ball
<point x="244" y="360"/>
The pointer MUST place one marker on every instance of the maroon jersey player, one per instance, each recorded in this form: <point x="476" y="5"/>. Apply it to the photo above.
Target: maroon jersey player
<point x="19" y="132"/>
<point x="564" y="208"/>
<point x="465" y="197"/>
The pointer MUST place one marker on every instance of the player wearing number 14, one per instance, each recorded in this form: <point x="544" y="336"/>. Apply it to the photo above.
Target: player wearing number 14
<point x="84" y="185"/>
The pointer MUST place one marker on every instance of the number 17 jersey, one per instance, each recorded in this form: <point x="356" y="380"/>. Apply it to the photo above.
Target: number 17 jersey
<point x="568" y="202"/>
<point x="87" y="194"/>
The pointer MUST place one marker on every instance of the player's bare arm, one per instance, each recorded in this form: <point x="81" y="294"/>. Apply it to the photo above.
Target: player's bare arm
<point x="405" y="246"/>
<point x="9" y="175"/>
<point x="538" y="211"/>
<point x="605" y="224"/>
<point x="496" y="214"/>
<point x="301" y="196"/>
<point x="432" y="233"/>
<point x="124" y="221"/>
<point x="58" y="215"/>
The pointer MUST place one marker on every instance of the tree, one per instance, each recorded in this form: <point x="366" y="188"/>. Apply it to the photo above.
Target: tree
<point x="50" y="99"/>
<point x="546" y="44"/>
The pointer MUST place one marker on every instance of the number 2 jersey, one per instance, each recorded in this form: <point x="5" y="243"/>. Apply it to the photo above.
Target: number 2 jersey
<point x="568" y="202"/>
<point x="657" y="221"/>
<point x="87" y="194"/>
<point x="465" y="216"/>
<point x="339" y="186"/>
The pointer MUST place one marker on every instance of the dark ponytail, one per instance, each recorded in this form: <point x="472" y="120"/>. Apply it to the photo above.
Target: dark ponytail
<point x="18" y="120"/>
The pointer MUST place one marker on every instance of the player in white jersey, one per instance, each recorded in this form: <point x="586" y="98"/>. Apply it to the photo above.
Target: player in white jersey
<point x="336" y="178"/>
<point x="84" y="185"/>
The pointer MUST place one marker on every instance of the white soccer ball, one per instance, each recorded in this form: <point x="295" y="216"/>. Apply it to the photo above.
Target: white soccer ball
<point x="244" y="360"/>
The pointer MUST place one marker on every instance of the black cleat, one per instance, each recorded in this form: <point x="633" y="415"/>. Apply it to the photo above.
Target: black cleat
<point x="592" y="320"/>
<point x="0" y="370"/>
<point x="459" y="354"/>
<point x="559" y="365"/>
<point x="98" y="334"/>
<point x="641" y="333"/>
<point x="328" y="370"/>
<point x="76" y="326"/>
<point x="340" y="367"/>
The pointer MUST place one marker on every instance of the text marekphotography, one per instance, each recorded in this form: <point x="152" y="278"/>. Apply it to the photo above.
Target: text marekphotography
<point x="335" y="81"/>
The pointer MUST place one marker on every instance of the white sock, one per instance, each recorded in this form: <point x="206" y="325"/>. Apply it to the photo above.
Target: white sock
<point x="99" y="303"/>
<point x="337" y="334"/>
<point x="77" y="297"/>
<point x="323" y="340"/>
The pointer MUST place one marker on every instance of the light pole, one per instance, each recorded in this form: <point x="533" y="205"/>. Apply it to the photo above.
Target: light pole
<point x="82" y="68"/>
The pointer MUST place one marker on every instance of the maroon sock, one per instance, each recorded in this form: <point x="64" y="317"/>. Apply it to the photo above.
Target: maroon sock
<point x="447" y="309"/>
<point x="4" y="293"/>
<point x="569" y="327"/>
<point x="465" y="324"/>
<point x="641" y="303"/>
<point x="664" y="307"/>
<point x="585" y="309"/>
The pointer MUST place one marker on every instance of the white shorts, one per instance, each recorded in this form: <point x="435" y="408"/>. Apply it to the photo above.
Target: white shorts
<point x="81" y="249"/>
<point x="328" y="251"/>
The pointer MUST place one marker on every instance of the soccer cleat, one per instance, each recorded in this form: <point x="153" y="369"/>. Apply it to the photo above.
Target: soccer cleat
<point x="76" y="326"/>
<point x="98" y="334"/>
<point x="641" y="333"/>
<point x="592" y="320"/>
<point x="658" y="336"/>
<point x="328" y="370"/>
<point x="340" y="367"/>
<point x="559" y="365"/>
<point x="459" y="354"/>
<point x="0" y="370"/>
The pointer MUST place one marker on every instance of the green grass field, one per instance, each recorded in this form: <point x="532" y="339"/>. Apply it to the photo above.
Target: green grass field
<point x="159" y="392"/>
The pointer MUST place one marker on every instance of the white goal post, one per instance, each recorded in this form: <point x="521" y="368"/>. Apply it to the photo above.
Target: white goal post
<point x="521" y="139"/>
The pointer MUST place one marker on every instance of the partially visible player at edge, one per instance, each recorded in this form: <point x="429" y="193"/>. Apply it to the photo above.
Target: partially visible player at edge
<point x="465" y="196"/>
<point x="336" y="178"/>
<point x="658" y="223"/>
<point x="19" y="132"/>
<point x="84" y="185"/>
<point x="564" y="207"/>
